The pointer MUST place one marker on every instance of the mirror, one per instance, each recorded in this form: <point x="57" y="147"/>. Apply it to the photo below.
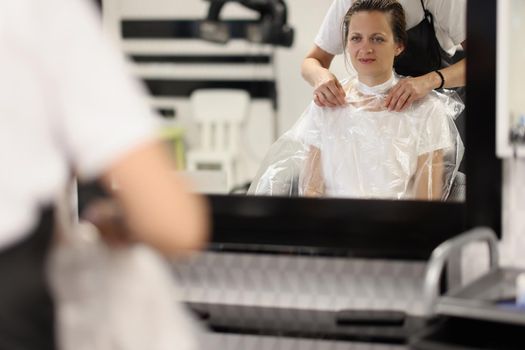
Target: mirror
<point x="335" y="227"/>
<point x="162" y="39"/>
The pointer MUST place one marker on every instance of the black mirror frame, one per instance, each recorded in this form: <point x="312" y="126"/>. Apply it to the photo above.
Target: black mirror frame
<point x="384" y="229"/>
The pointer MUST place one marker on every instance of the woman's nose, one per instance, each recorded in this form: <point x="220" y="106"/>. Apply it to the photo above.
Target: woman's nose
<point x="367" y="48"/>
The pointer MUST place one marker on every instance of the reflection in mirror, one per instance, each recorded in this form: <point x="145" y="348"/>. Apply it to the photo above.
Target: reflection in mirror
<point x="362" y="150"/>
<point x="367" y="148"/>
<point x="235" y="143"/>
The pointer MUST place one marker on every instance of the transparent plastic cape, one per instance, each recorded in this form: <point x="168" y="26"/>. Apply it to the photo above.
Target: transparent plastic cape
<point x="362" y="150"/>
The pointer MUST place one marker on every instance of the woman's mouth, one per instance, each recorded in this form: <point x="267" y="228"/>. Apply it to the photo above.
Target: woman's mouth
<point x="366" y="60"/>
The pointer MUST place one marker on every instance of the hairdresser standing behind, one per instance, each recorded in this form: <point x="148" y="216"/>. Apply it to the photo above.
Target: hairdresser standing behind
<point x="435" y="29"/>
<point x="67" y="104"/>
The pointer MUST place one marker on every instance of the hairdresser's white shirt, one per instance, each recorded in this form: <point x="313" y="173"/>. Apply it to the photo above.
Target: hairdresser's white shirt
<point x="371" y="153"/>
<point x="449" y="22"/>
<point x="66" y="101"/>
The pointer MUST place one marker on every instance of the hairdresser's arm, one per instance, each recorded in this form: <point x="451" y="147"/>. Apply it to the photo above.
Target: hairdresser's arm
<point x="327" y="90"/>
<point x="157" y="204"/>
<point x="429" y="176"/>
<point x="311" y="178"/>
<point x="409" y="90"/>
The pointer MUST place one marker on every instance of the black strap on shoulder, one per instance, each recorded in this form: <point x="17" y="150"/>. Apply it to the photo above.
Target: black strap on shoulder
<point x="423" y="52"/>
<point x="428" y="14"/>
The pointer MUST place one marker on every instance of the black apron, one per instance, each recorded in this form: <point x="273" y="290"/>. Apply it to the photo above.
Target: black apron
<point x="26" y="308"/>
<point x="423" y="53"/>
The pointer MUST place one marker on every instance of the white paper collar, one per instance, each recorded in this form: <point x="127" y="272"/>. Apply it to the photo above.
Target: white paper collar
<point x="380" y="89"/>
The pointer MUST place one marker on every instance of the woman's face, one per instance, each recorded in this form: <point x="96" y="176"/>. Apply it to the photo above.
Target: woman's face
<point x="372" y="47"/>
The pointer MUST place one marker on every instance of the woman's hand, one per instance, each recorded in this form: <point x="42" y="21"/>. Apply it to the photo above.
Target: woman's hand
<point x="328" y="91"/>
<point x="408" y="90"/>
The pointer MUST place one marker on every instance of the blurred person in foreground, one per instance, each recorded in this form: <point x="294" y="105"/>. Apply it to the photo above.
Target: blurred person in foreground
<point x="69" y="106"/>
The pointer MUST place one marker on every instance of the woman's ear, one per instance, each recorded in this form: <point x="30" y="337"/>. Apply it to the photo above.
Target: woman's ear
<point x="399" y="49"/>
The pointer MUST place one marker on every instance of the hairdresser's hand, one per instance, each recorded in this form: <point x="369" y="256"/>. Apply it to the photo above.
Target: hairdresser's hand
<point x="328" y="91"/>
<point x="107" y="217"/>
<point x="406" y="91"/>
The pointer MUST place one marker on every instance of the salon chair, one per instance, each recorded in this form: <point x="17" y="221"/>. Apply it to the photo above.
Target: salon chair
<point x="458" y="189"/>
<point x="220" y="114"/>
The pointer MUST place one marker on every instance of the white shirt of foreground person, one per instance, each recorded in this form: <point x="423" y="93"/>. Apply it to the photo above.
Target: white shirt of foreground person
<point x="65" y="100"/>
<point x="374" y="154"/>
<point x="449" y="22"/>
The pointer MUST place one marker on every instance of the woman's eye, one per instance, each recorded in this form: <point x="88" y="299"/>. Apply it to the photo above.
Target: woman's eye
<point x="378" y="40"/>
<point x="355" y="38"/>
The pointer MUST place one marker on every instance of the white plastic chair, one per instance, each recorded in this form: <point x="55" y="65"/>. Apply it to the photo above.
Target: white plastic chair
<point x="220" y="114"/>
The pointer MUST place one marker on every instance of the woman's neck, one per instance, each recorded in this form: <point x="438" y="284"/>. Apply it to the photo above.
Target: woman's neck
<point x="372" y="81"/>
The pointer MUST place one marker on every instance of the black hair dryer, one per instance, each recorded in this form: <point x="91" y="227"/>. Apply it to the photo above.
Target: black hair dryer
<point x="271" y="27"/>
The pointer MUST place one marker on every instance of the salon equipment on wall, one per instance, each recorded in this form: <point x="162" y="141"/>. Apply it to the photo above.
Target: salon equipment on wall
<point x="271" y="27"/>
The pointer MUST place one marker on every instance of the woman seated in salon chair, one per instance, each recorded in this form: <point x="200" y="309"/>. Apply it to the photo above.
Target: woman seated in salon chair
<point x="363" y="150"/>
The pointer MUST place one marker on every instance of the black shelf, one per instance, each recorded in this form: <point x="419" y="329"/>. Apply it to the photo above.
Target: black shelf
<point x="305" y="324"/>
